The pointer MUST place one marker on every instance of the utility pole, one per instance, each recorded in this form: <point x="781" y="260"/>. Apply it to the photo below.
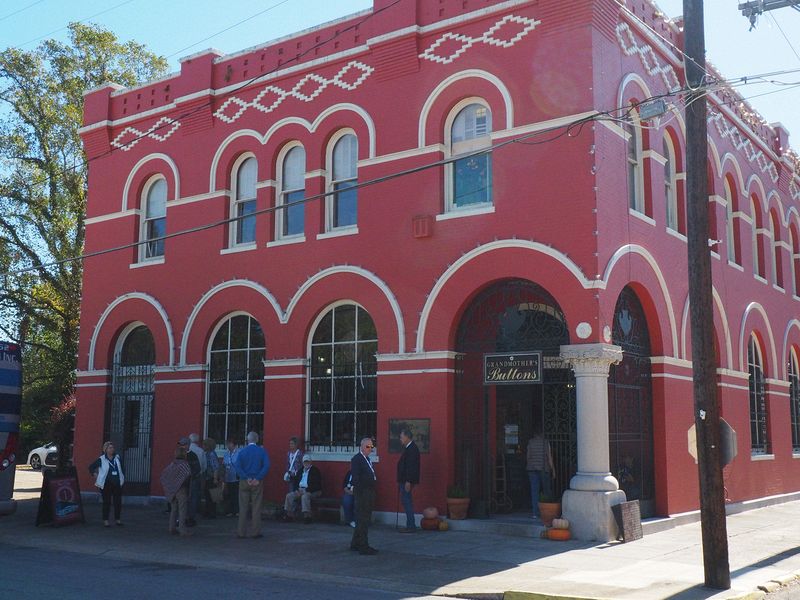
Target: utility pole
<point x="753" y="8"/>
<point x="712" y="496"/>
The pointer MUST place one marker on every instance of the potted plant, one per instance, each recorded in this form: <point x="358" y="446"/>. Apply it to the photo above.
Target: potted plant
<point x="549" y="508"/>
<point x="457" y="502"/>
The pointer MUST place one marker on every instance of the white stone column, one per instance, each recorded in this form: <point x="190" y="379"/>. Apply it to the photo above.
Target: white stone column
<point x="593" y="489"/>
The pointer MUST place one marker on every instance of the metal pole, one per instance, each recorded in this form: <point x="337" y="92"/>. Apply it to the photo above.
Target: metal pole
<point x="712" y="497"/>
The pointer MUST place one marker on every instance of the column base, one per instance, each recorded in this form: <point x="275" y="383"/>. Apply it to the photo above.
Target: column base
<point x="594" y="482"/>
<point x="589" y="514"/>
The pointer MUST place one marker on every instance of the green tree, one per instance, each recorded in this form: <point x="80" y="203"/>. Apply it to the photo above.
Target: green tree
<point x="43" y="199"/>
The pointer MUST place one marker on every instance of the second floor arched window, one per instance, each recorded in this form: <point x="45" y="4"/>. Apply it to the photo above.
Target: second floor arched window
<point x="470" y="181"/>
<point x="344" y="175"/>
<point x="292" y="193"/>
<point x="154" y="223"/>
<point x="244" y="204"/>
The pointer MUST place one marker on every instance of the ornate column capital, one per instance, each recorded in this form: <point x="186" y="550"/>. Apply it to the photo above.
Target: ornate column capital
<point x="591" y="359"/>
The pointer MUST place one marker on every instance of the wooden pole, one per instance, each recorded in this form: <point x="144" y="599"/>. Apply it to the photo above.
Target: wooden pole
<point x="712" y="496"/>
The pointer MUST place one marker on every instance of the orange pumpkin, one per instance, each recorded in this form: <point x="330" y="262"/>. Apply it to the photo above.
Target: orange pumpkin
<point x="443" y="525"/>
<point x="561" y="535"/>
<point x="429" y="524"/>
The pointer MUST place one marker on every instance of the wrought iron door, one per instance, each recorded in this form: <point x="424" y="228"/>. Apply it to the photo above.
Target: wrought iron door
<point x="129" y="417"/>
<point x="511" y="316"/>
<point x="630" y="404"/>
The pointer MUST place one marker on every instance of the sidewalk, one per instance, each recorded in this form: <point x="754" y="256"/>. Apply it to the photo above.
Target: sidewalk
<point x="763" y="546"/>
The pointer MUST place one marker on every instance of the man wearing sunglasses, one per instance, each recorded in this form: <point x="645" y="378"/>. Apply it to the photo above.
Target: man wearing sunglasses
<point x="364" y="491"/>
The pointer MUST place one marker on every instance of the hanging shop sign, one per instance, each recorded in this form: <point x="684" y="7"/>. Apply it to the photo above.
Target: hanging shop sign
<point x="512" y="368"/>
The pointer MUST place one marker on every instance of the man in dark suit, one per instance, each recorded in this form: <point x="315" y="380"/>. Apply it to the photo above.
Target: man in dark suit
<point x="408" y="477"/>
<point x="308" y="485"/>
<point x="364" y="490"/>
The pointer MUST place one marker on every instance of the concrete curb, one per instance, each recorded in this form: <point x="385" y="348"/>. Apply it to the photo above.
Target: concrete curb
<point x="539" y="596"/>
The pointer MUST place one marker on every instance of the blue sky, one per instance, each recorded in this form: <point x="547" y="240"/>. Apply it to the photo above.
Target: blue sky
<point x="176" y="28"/>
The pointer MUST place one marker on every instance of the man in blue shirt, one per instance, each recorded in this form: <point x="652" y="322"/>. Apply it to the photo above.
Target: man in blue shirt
<point x="252" y="465"/>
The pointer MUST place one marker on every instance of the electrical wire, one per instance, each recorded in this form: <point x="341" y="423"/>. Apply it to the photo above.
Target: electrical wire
<point x="16" y="12"/>
<point x="778" y="25"/>
<point x="567" y="129"/>
<point x="221" y="31"/>
<point x="102" y="12"/>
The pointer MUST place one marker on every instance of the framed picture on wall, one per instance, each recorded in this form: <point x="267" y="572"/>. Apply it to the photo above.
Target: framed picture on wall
<point x="419" y="428"/>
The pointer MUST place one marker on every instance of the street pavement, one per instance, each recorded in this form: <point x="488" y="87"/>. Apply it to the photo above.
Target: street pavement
<point x="762" y="544"/>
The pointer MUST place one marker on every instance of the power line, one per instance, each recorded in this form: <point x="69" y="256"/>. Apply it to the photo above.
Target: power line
<point x="221" y="31"/>
<point x="102" y="12"/>
<point x="567" y="128"/>
<point x="778" y="25"/>
<point x="16" y="12"/>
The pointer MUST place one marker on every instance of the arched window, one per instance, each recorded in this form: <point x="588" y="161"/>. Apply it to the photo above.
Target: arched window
<point x="235" y="402"/>
<point x="670" y="187"/>
<point x="633" y="142"/>
<point x="244" y="203"/>
<point x="470" y="177"/>
<point x="795" y="259"/>
<point x="154" y="224"/>
<point x="777" y="264"/>
<point x="344" y="175"/>
<point x="138" y="348"/>
<point x="343" y="386"/>
<point x="794" y="401"/>
<point x="759" y="442"/>
<point x="292" y="192"/>
<point x="759" y="266"/>
<point x="731" y="229"/>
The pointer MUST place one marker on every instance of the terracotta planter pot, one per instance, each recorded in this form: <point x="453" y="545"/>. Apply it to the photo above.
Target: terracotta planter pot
<point x="457" y="507"/>
<point x="549" y="511"/>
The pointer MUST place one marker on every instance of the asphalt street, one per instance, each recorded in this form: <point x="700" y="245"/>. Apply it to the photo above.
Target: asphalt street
<point x="37" y="574"/>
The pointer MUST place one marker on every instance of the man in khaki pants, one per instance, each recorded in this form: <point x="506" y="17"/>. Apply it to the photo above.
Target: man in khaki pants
<point x="252" y="465"/>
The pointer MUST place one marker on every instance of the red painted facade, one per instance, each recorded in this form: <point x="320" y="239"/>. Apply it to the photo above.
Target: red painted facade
<point x="560" y="216"/>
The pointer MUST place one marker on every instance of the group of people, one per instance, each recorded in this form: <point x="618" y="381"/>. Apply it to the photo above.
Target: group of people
<point x="238" y="481"/>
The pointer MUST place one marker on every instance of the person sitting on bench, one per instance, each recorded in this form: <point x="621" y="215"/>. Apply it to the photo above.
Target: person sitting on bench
<point x="308" y="484"/>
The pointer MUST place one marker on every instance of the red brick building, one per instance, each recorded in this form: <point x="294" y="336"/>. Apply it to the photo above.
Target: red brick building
<point x="340" y="258"/>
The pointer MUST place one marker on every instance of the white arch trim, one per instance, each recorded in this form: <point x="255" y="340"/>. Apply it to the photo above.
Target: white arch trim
<point x="726" y="331"/>
<point x="793" y="324"/>
<point x="480" y="74"/>
<point x="131" y="296"/>
<point x="245" y="283"/>
<point x="496" y="245"/>
<point x="636" y="79"/>
<point x="379" y="283"/>
<point x="756" y="307"/>
<point x="138" y="165"/>
<point x="309" y="126"/>
<point x="662" y="283"/>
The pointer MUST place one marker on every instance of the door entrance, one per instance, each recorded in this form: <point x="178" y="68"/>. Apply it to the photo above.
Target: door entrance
<point x="630" y="405"/>
<point x="494" y="423"/>
<point x="129" y="409"/>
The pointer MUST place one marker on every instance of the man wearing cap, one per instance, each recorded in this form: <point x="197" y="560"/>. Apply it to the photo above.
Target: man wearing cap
<point x="196" y="471"/>
<point x="252" y="465"/>
<point x="308" y="485"/>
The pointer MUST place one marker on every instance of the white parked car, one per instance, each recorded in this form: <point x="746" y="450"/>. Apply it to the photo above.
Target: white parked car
<point x="46" y="455"/>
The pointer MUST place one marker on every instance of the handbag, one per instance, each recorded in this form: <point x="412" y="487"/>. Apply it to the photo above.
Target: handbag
<point x="216" y="494"/>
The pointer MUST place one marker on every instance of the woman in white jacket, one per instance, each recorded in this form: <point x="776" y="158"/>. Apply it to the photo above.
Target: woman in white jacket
<point x="107" y="473"/>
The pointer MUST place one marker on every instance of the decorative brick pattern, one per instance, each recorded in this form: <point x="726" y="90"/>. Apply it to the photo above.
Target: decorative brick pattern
<point x="488" y="37"/>
<point x="271" y="97"/>
<point x="169" y="126"/>
<point x="742" y="143"/>
<point x="630" y="46"/>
